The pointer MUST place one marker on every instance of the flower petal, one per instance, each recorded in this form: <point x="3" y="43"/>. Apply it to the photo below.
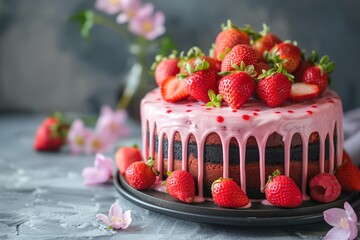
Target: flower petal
<point x="103" y="218"/>
<point x="333" y="215"/>
<point x="338" y="234"/>
<point x="122" y="18"/>
<point x="145" y="11"/>
<point x="127" y="218"/>
<point x="118" y="225"/>
<point x="353" y="230"/>
<point x="350" y="212"/>
<point x="104" y="164"/>
<point x="95" y="176"/>
<point x="159" y="18"/>
<point x="115" y="211"/>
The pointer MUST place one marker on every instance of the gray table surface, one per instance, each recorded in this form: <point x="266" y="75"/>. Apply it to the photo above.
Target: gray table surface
<point x="42" y="196"/>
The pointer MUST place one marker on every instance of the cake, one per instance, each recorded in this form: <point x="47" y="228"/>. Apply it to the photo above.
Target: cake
<point x="246" y="144"/>
<point x="262" y="120"/>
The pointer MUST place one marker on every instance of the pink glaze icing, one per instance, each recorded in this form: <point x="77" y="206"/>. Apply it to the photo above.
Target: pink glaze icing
<point x="322" y="115"/>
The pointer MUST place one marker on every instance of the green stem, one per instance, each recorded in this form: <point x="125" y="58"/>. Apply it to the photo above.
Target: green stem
<point x="141" y="56"/>
<point x="100" y="20"/>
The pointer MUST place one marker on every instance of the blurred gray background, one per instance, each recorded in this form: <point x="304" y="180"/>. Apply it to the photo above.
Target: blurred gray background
<point x="45" y="65"/>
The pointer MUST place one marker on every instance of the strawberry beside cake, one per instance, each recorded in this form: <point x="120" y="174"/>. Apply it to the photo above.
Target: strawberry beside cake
<point x="239" y="115"/>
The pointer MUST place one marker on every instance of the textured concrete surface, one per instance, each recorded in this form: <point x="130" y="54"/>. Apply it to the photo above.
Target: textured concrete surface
<point x="42" y="196"/>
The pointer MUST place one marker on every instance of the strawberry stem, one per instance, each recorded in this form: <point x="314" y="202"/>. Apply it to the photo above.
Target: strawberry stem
<point x="272" y="176"/>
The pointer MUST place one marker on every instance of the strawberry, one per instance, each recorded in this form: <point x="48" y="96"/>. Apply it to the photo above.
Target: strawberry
<point x="259" y="67"/>
<point x="226" y="193"/>
<point x="318" y="74"/>
<point x="288" y="54"/>
<point x="141" y="175"/>
<point x="303" y="91"/>
<point x="239" y="53"/>
<point x="51" y="134"/>
<point x="274" y="87"/>
<point x="124" y="156"/>
<point x="180" y="184"/>
<point x="173" y="89"/>
<point x="325" y="188"/>
<point x="228" y="38"/>
<point x="305" y="64"/>
<point x="237" y="87"/>
<point x="164" y="67"/>
<point x="200" y="81"/>
<point x="282" y="191"/>
<point x="348" y="175"/>
<point x="264" y="41"/>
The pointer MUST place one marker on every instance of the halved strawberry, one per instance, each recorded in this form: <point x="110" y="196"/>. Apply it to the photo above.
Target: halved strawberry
<point x="303" y="91"/>
<point x="173" y="89"/>
<point x="318" y="74"/>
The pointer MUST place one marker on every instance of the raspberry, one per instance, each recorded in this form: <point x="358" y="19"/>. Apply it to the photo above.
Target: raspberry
<point x="324" y="187"/>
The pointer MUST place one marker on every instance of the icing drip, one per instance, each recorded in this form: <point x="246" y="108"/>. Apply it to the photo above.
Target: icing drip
<point x="322" y="116"/>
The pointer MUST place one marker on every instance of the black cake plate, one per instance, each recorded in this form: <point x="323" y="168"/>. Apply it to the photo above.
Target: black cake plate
<point x="208" y="212"/>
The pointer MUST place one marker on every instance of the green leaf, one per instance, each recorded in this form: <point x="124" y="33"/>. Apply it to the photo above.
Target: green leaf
<point x="212" y="94"/>
<point x="330" y="67"/>
<point x="189" y="69"/>
<point x="324" y="60"/>
<point x="224" y="73"/>
<point x="166" y="45"/>
<point x="265" y="30"/>
<point x="86" y="21"/>
<point x="215" y="100"/>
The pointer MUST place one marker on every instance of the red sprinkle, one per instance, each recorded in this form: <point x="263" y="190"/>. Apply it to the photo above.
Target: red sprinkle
<point x="290" y="111"/>
<point x="234" y="110"/>
<point x="314" y="106"/>
<point x="188" y="110"/>
<point x="246" y="117"/>
<point x="309" y="112"/>
<point x="256" y="110"/>
<point x="189" y="105"/>
<point x="331" y="101"/>
<point x="277" y="112"/>
<point x="208" y="108"/>
<point x="255" y="114"/>
<point x="169" y="111"/>
<point x="220" y="119"/>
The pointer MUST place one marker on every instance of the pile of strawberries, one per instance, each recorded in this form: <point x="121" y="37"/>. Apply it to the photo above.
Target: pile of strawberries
<point x="243" y="64"/>
<point x="280" y="190"/>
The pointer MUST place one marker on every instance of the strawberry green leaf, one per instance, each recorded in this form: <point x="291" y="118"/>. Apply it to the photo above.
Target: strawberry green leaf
<point x="314" y="57"/>
<point x="212" y="50"/>
<point x="215" y="100"/>
<point x="159" y="58"/>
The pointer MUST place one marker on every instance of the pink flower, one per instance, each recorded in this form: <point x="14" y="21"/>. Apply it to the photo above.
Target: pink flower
<point x="99" y="142"/>
<point x="344" y="223"/>
<point x="146" y="24"/>
<point x="111" y="124"/>
<point x="78" y="137"/>
<point x="101" y="172"/>
<point x="109" y="6"/>
<point x="116" y="219"/>
<point x="131" y="11"/>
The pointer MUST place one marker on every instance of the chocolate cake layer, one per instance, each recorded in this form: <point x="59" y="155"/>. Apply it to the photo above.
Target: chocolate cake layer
<point x="213" y="153"/>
